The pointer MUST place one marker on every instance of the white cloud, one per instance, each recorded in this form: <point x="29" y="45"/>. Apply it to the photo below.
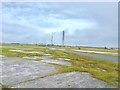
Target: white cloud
<point x="96" y="21"/>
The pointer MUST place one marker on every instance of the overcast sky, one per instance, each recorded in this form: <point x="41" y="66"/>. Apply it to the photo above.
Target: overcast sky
<point x="85" y="24"/>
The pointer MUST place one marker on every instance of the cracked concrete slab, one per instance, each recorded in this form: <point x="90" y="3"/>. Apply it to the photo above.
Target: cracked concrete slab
<point x="15" y="70"/>
<point x="66" y="80"/>
<point x="61" y="61"/>
<point x="55" y="61"/>
<point x="20" y="73"/>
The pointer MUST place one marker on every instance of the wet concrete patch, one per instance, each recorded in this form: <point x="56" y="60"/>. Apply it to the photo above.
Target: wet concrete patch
<point x="66" y="80"/>
<point x="18" y="70"/>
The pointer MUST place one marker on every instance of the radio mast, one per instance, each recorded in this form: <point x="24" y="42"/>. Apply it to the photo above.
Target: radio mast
<point x="63" y="37"/>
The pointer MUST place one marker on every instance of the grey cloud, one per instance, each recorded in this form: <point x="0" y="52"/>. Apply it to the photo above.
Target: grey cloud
<point x="104" y="14"/>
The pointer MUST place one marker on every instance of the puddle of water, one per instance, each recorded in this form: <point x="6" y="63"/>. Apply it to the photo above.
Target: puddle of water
<point x="62" y="62"/>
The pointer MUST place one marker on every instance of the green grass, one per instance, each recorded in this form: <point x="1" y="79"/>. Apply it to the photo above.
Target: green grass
<point x="91" y="65"/>
<point x="94" y="66"/>
<point x="6" y="51"/>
